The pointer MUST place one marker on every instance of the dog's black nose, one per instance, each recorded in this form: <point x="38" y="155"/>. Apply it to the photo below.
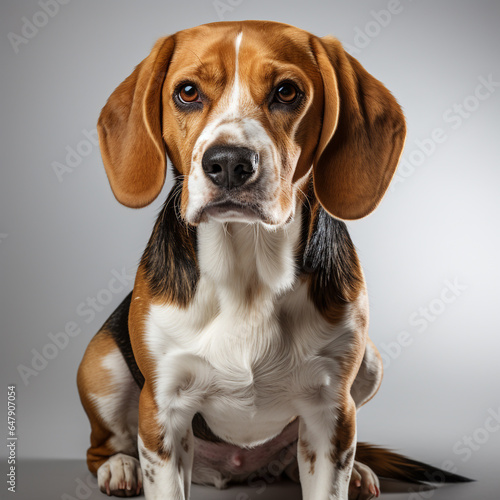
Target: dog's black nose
<point x="229" y="166"/>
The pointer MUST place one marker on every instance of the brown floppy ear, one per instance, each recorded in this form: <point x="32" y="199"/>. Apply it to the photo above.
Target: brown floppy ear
<point x="130" y="133"/>
<point x="362" y="135"/>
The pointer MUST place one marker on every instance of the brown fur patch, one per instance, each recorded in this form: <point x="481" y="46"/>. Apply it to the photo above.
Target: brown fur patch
<point x="130" y="134"/>
<point x="148" y="456"/>
<point x="151" y="433"/>
<point x="149" y="476"/>
<point x="376" y="386"/>
<point x="307" y="454"/>
<point x="343" y="436"/>
<point x="164" y="453"/>
<point x="253" y="291"/>
<point x="93" y="378"/>
<point x="142" y="299"/>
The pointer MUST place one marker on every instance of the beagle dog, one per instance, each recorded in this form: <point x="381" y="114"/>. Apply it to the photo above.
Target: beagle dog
<point x="242" y="352"/>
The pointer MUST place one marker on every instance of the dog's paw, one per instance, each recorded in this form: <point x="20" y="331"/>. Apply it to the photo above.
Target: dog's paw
<point x="120" y="476"/>
<point x="364" y="483"/>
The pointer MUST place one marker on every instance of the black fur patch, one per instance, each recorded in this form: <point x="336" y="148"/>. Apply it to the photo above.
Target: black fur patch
<point x="201" y="430"/>
<point x="170" y="258"/>
<point x="330" y="257"/>
<point x="117" y="326"/>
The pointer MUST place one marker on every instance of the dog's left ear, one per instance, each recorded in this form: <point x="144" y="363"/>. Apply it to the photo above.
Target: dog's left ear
<point x="362" y="136"/>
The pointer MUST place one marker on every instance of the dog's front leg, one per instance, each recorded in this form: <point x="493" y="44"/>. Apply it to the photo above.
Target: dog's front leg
<point x="327" y="444"/>
<point x="166" y="448"/>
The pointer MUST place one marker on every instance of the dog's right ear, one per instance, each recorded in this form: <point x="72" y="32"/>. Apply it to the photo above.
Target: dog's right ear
<point x="130" y="132"/>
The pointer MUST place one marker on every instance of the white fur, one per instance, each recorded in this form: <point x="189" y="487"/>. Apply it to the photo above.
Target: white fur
<point x="235" y="94"/>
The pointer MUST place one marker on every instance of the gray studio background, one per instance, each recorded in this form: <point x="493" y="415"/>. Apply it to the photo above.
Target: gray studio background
<point x="430" y="251"/>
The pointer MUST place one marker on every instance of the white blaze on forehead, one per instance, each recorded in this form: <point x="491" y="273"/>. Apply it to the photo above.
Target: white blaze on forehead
<point x="237" y="44"/>
<point x="235" y="91"/>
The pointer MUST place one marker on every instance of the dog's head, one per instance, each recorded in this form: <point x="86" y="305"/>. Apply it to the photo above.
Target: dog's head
<point x="246" y="111"/>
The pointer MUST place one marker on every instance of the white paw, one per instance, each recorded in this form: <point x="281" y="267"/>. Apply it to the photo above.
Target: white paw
<point x="120" y="475"/>
<point x="364" y="483"/>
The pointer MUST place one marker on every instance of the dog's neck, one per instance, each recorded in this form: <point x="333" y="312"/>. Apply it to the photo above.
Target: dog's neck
<point x="249" y="261"/>
<point x="246" y="262"/>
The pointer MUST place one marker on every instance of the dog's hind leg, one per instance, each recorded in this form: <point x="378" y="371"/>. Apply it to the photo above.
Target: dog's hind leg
<point x="110" y="397"/>
<point x="369" y="377"/>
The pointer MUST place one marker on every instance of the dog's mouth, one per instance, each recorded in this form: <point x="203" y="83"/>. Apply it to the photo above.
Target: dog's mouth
<point x="231" y="211"/>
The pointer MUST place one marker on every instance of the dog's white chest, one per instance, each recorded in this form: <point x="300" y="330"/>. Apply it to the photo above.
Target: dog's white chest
<point x="239" y="370"/>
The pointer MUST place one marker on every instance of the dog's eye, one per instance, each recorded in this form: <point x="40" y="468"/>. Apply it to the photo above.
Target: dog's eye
<point x="286" y="93"/>
<point x="188" y="93"/>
